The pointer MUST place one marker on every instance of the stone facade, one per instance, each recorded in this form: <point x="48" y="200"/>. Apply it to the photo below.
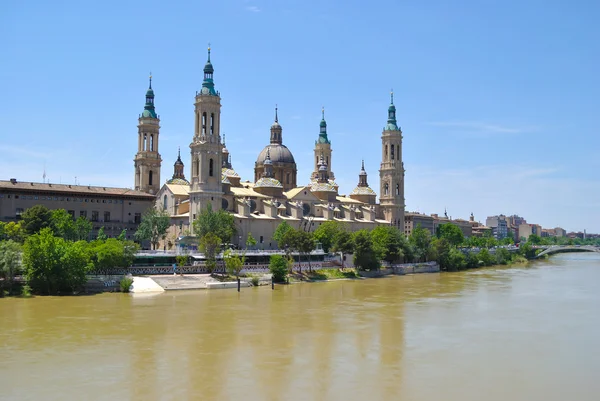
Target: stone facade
<point x="260" y="206"/>
<point x="115" y="209"/>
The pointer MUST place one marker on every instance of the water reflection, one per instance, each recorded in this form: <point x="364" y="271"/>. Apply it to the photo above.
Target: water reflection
<point x="495" y="334"/>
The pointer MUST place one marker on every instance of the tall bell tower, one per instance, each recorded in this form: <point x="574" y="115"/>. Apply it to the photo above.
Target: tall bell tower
<point x="322" y="148"/>
<point x="206" y="147"/>
<point x="147" y="160"/>
<point x="391" y="173"/>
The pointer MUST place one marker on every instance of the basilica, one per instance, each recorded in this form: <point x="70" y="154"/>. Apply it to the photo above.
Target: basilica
<point x="274" y="195"/>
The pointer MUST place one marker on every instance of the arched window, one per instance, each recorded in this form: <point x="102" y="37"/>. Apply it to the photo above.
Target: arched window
<point x="386" y="153"/>
<point x="212" y="123"/>
<point x="165" y="202"/>
<point x="327" y="160"/>
<point x="398" y="152"/>
<point x="150" y="178"/>
<point x="210" y="167"/>
<point x="151" y="142"/>
<point x="145" y="141"/>
<point x="392" y="152"/>
<point x="203" y="123"/>
<point x="287" y="178"/>
<point x="386" y="189"/>
<point x="397" y="189"/>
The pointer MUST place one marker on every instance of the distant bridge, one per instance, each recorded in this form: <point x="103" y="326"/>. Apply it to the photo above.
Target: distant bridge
<point x="549" y="250"/>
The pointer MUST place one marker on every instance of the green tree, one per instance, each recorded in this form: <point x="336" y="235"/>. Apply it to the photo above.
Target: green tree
<point x="534" y="239"/>
<point x="153" y="227"/>
<point x="83" y="227"/>
<point x="344" y="243"/>
<point x="101" y="236"/>
<point x="420" y="239"/>
<point x="388" y="243"/>
<point x="111" y="253"/>
<point x="485" y="258"/>
<point x="278" y="265"/>
<point x="52" y="265"/>
<point x="527" y="250"/>
<point x="281" y="229"/>
<point x="181" y="260"/>
<point x="305" y="244"/>
<point x="10" y="258"/>
<point x="220" y="223"/>
<point x="503" y="256"/>
<point x="452" y="233"/>
<point x="326" y="234"/>
<point x="456" y="260"/>
<point x="288" y="242"/>
<point x="365" y="257"/>
<point x="62" y="224"/>
<point x="441" y="252"/>
<point x="14" y="231"/>
<point x="233" y="263"/>
<point x="250" y="241"/>
<point x="123" y="235"/>
<point x="35" y="218"/>
<point x="209" y="245"/>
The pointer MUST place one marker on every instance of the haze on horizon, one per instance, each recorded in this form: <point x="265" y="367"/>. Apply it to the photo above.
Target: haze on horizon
<point x="497" y="102"/>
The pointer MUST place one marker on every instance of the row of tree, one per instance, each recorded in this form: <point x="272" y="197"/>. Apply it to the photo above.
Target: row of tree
<point x="52" y="252"/>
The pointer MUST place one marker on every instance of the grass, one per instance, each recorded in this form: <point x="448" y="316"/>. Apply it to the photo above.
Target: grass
<point x="324" y="274"/>
<point x="125" y="283"/>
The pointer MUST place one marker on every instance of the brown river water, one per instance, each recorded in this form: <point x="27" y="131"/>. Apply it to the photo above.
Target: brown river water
<point x="521" y="333"/>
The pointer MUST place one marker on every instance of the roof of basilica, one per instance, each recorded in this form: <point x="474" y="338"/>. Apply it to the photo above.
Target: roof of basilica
<point x="229" y="172"/>
<point x="267" y="182"/>
<point x="178" y="181"/>
<point x="322" y="187"/>
<point x="278" y="153"/>
<point x="363" y="191"/>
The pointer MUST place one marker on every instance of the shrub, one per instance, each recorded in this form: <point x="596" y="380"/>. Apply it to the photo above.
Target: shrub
<point x="255" y="281"/>
<point x="125" y="283"/>
<point x="278" y="267"/>
<point x="26" y="291"/>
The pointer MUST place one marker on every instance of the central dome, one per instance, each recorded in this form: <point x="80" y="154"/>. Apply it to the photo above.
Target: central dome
<point x="278" y="154"/>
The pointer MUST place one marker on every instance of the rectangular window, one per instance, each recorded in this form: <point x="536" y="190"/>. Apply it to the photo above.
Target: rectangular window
<point x="95" y="215"/>
<point x="72" y="213"/>
<point x="103" y="200"/>
<point x="86" y="200"/>
<point x="19" y="211"/>
<point x="16" y="196"/>
<point x="83" y="213"/>
<point x="137" y="218"/>
<point x="261" y="239"/>
<point x="106" y="216"/>
<point x="35" y="198"/>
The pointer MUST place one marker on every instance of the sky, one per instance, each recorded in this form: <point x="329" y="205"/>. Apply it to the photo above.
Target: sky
<point x="497" y="100"/>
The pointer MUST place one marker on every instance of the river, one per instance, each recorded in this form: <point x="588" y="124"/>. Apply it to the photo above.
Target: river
<point x="521" y="333"/>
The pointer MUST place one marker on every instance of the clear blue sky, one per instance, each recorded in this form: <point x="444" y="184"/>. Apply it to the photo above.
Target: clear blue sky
<point x="498" y="100"/>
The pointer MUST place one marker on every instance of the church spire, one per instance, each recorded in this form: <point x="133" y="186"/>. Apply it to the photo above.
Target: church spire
<point x="276" y="130"/>
<point x="208" y="85"/>
<point x="149" y="110"/>
<point x="391" y="122"/>
<point x="323" y="128"/>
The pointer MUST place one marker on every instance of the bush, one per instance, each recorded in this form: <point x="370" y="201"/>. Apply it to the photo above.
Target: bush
<point x="279" y="268"/>
<point x="255" y="281"/>
<point x="26" y="291"/>
<point x="125" y="283"/>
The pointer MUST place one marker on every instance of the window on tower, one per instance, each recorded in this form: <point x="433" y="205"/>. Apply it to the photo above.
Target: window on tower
<point x="145" y="141"/>
<point x="392" y="152"/>
<point x="203" y="123"/>
<point x="397" y="189"/>
<point x="210" y="167"/>
<point x="386" y="152"/>
<point x="150" y="178"/>
<point x="386" y="189"/>
<point x="212" y="123"/>
<point x="152" y="144"/>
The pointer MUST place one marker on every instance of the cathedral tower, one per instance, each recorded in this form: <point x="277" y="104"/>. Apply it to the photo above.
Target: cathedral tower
<point x="391" y="173"/>
<point x="322" y="148"/>
<point x="147" y="159"/>
<point x="206" y="148"/>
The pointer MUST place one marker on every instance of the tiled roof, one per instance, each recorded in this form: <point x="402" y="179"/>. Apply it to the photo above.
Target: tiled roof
<point x="178" y="189"/>
<point x="266" y="182"/>
<point x="66" y="188"/>
<point x="322" y="187"/>
<point x="240" y="191"/>
<point x="363" y="191"/>
<point x="229" y="172"/>
<point x="178" y="181"/>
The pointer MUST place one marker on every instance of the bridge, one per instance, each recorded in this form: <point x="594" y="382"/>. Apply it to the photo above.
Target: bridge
<point x="549" y="250"/>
